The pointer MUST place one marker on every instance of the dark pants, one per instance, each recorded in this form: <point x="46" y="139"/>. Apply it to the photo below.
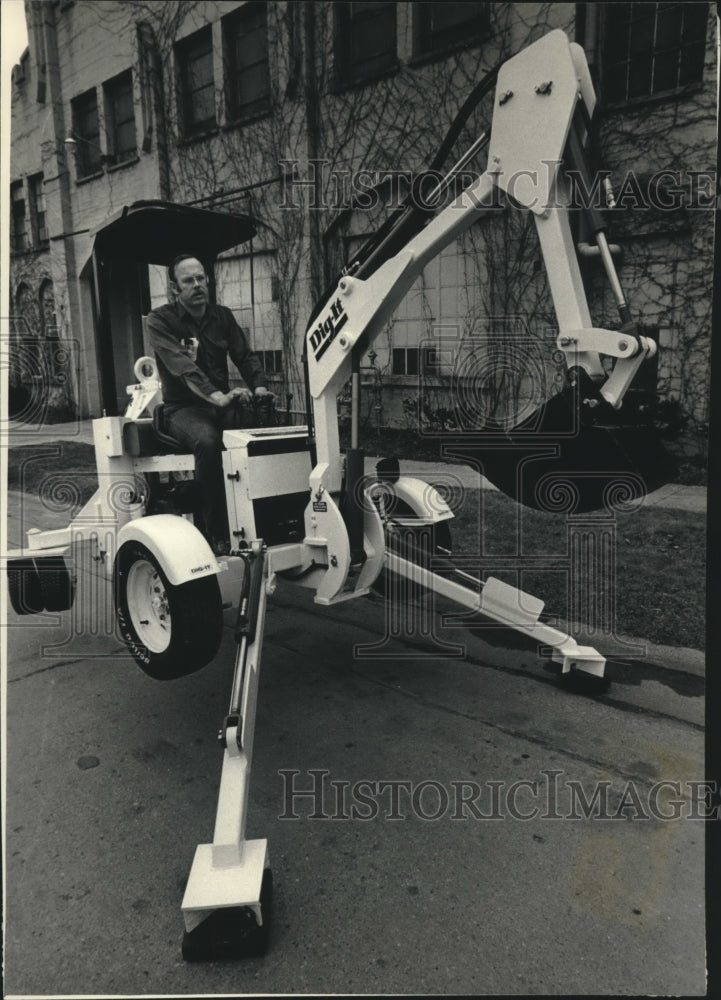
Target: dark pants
<point x="200" y="430"/>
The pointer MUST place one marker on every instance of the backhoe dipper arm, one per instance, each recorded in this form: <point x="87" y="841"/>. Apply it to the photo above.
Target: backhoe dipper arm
<point x="536" y="103"/>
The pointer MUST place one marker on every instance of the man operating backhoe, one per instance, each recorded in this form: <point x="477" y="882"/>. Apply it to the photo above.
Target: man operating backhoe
<point x="192" y="339"/>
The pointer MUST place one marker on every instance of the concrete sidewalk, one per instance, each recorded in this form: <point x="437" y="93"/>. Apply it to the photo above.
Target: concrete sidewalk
<point x="16" y="433"/>
<point x="672" y="496"/>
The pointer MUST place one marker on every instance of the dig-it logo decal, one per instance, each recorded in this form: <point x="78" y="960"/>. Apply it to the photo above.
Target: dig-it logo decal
<point x="326" y="331"/>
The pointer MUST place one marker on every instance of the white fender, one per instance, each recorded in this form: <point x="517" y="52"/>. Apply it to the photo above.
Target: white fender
<point x="424" y="500"/>
<point x="181" y="550"/>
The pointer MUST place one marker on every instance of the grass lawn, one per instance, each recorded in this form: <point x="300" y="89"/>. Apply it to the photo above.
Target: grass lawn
<point x="63" y="469"/>
<point x="660" y="563"/>
<point x="395" y="442"/>
<point x="660" y="555"/>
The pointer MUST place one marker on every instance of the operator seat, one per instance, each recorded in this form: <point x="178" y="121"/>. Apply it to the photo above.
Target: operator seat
<point x="161" y="432"/>
<point x="145" y="438"/>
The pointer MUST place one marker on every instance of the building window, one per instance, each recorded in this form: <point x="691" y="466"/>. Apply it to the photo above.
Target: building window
<point x="19" y="233"/>
<point x="365" y="41"/>
<point x="26" y="315"/>
<point x="651" y="49"/>
<point x="405" y="360"/>
<point x="38" y="219"/>
<point x="48" y="320"/>
<point x="272" y="361"/>
<point x="120" y="119"/>
<point x="245" y="34"/>
<point x="27" y="328"/>
<point x="86" y="132"/>
<point x="439" y="27"/>
<point x="197" y="82"/>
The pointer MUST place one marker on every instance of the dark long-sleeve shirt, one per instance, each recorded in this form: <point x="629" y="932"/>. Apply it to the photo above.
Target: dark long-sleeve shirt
<point x="219" y="336"/>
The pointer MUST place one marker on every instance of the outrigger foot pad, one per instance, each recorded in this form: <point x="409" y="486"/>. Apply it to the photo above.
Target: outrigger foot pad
<point x="232" y="932"/>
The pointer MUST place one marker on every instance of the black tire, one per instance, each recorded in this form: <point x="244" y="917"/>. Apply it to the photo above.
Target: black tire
<point x="170" y="630"/>
<point x="57" y="588"/>
<point x="232" y="932"/>
<point x="24" y="587"/>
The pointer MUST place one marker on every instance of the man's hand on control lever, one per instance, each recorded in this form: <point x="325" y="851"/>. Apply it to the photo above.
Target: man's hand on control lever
<point x="224" y="399"/>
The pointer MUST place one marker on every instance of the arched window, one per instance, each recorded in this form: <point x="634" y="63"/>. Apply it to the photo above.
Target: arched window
<point x="26" y="313"/>
<point x="48" y="320"/>
<point x="26" y="328"/>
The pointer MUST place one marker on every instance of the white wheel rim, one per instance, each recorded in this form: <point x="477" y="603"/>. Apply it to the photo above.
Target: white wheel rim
<point x="148" y="606"/>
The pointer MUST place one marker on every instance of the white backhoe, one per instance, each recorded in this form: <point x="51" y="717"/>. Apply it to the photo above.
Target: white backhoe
<point x="302" y="509"/>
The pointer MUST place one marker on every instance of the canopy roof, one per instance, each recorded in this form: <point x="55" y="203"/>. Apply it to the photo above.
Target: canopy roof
<point x="155" y="232"/>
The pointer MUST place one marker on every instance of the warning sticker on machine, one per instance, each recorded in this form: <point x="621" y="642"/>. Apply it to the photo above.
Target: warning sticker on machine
<point x="320" y="506"/>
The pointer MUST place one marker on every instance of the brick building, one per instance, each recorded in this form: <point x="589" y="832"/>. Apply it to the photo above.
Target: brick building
<point x="294" y="112"/>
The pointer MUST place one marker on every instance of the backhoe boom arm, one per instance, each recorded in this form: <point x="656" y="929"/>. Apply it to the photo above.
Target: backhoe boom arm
<point x="538" y="102"/>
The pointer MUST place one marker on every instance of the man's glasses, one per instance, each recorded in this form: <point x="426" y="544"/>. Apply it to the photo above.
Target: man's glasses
<point x="197" y="279"/>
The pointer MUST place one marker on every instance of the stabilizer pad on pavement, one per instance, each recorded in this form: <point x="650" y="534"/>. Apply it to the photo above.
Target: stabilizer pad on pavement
<point x="231" y="932"/>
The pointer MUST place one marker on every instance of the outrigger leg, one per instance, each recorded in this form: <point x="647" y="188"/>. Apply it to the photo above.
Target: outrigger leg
<point x="226" y="906"/>
<point x="493" y="599"/>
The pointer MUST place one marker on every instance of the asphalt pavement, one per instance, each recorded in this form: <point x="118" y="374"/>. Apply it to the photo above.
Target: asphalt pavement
<point x="426" y="787"/>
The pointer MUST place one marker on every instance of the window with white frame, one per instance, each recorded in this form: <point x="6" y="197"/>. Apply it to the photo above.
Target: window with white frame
<point x="404" y="361"/>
